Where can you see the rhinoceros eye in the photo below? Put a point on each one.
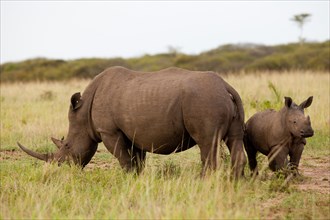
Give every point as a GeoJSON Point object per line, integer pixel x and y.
{"type": "Point", "coordinates": [294, 122]}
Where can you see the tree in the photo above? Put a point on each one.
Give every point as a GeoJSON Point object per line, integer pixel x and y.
{"type": "Point", "coordinates": [301, 20]}
{"type": "Point", "coordinates": [173, 50]}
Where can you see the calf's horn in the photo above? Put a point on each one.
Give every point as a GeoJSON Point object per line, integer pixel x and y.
{"type": "Point", "coordinates": [39, 156]}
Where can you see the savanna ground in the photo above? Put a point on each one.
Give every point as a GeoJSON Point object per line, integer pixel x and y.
{"type": "Point", "coordinates": [169, 187]}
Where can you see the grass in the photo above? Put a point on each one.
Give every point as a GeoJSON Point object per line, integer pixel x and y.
{"type": "Point", "coordinates": [169, 187]}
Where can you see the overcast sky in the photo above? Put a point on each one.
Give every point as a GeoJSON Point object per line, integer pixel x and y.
{"type": "Point", "coordinates": [84, 29]}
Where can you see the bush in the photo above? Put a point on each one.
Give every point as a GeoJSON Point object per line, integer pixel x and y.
{"type": "Point", "coordinates": [225, 59]}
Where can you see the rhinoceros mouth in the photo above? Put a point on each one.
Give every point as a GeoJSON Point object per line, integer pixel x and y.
{"type": "Point", "coordinates": [307, 134]}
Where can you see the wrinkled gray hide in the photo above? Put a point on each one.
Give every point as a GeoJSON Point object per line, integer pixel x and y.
{"type": "Point", "coordinates": [278, 134]}
{"type": "Point", "coordinates": [161, 112]}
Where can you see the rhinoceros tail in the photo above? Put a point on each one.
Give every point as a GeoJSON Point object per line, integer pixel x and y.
{"type": "Point", "coordinates": [237, 100]}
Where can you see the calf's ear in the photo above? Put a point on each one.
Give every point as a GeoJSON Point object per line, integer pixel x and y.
{"type": "Point", "coordinates": [288, 102]}
{"type": "Point", "coordinates": [306, 103]}
{"type": "Point", "coordinates": [76, 101]}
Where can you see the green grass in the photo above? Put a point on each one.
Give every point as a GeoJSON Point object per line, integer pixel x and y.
{"type": "Point", "coordinates": [37, 190]}
{"type": "Point", "coordinates": [170, 186]}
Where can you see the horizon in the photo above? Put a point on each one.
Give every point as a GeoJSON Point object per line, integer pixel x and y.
{"type": "Point", "coordinates": [243, 45]}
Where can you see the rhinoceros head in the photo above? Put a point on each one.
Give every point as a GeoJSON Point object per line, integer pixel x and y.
{"type": "Point", "coordinates": [298, 124]}
{"type": "Point", "coordinates": [78, 147]}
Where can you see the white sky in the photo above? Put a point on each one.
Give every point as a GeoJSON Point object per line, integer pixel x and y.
{"type": "Point", "coordinates": [83, 29]}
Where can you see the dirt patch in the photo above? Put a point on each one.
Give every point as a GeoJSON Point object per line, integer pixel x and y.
{"type": "Point", "coordinates": [316, 171]}
{"type": "Point", "coordinates": [102, 160]}
{"type": "Point", "coordinates": [315, 177]}
{"type": "Point", "coordinates": [11, 155]}
{"type": "Point", "coordinates": [98, 164]}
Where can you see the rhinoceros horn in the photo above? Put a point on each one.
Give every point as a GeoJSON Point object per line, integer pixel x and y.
{"type": "Point", "coordinates": [44, 157]}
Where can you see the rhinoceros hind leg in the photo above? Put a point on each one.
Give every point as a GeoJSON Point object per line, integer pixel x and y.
{"type": "Point", "coordinates": [238, 159]}
{"type": "Point", "coordinates": [206, 136]}
{"type": "Point", "coordinates": [208, 157]}
{"type": "Point", "coordinates": [234, 142]}
{"type": "Point", "coordinates": [278, 157]}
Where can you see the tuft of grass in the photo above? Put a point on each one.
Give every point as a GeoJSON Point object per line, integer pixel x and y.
{"type": "Point", "coordinates": [276, 92]}
{"type": "Point", "coordinates": [47, 96]}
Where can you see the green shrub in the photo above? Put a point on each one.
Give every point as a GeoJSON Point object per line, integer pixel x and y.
{"type": "Point", "coordinates": [224, 59]}
{"type": "Point", "coordinates": [275, 103]}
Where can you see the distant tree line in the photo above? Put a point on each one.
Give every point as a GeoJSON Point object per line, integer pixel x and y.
{"type": "Point", "coordinates": [224, 59]}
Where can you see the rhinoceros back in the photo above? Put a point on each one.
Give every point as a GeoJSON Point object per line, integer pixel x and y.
{"type": "Point", "coordinates": [258, 129]}
{"type": "Point", "coordinates": [148, 107]}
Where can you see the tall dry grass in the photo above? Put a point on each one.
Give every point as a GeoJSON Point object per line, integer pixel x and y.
{"type": "Point", "coordinates": [34, 111]}
{"type": "Point", "coordinates": [169, 187]}
{"type": "Point", "coordinates": [298, 85]}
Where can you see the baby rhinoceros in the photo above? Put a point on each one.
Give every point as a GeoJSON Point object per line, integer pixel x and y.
{"type": "Point", "coordinates": [278, 134]}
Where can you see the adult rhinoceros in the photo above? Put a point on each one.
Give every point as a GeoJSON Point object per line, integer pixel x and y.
{"type": "Point", "coordinates": [160, 112]}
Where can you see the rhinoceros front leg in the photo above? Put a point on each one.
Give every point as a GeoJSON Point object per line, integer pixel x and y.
{"type": "Point", "coordinates": [138, 158]}
{"type": "Point", "coordinates": [117, 144]}
{"type": "Point", "coordinates": [278, 157]}
{"type": "Point", "coordinates": [295, 155]}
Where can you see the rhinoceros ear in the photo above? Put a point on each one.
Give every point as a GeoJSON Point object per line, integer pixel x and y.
{"type": "Point", "coordinates": [288, 102]}
{"type": "Point", "coordinates": [76, 101]}
{"type": "Point", "coordinates": [58, 143]}
{"type": "Point", "coordinates": [306, 103]}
